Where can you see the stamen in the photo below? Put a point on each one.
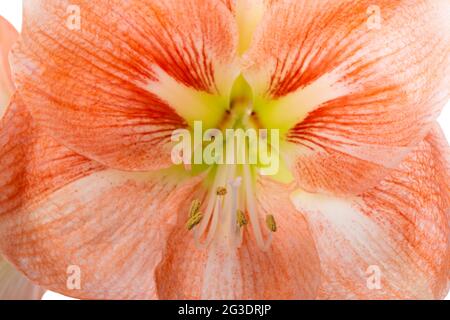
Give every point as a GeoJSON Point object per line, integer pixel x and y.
{"type": "Point", "coordinates": [234, 232]}
{"type": "Point", "coordinates": [194, 220]}
{"type": "Point", "coordinates": [221, 191]}
{"type": "Point", "coordinates": [230, 207]}
{"type": "Point", "coordinates": [195, 207]}
{"type": "Point", "coordinates": [263, 244]}
{"type": "Point", "coordinates": [241, 219]}
{"type": "Point", "coordinates": [213, 212]}
{"type": "Point", "coordinates": [271, 223]}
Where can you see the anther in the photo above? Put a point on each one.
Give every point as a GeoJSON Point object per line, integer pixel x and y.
{"type": "Point", "coordinates": [221, 191]}
{"type": "Point", "coordinates": [271, 223]}
{"type": "Point", "coordinates": [241, 219]}
{"type": "Point", "coordinates": [194, 220]}
{"type": "Point", "coordinates": [195, 216]}
{"type": "Point", "coordinates": [195, 207]}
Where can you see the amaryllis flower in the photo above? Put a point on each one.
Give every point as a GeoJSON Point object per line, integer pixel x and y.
{"type": "Point", "coordinates": [359, 207]}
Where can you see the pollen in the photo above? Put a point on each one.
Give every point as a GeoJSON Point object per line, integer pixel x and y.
{"type": "Point", "coordinates": [241, 219]}
{"type": "Point", "coordinates": [271, 223]}
{"type": "Point", "coordinates": [195, 207]}
{"type": "Point", "coordinates": [195, 216]}
{"type": "Point", "coordinates": [221, 191]}
{"type": "Point", "coordinates": [194, 220]}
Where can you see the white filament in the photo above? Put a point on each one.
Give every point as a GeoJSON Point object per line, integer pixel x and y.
{"type": "Point", "coordinates": [220, 217]}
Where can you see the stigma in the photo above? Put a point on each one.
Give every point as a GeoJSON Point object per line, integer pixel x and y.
{"type": "Point", "coordinates": [229, 211]}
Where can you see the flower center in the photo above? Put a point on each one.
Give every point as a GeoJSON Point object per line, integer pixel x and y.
{"type": "Point", "coordinates": [230, 206]}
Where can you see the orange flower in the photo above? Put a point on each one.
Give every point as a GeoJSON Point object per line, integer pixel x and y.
{"type": "Point", "coordinates": [359, 207]}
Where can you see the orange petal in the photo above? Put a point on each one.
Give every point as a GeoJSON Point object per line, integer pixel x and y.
{"type": "Point", "coordinates": [113, 80]}
{"type": "Point", "coordinates": [62, 215]}
{"type": "Point", "coordinates": [289, 270]}
{"type": "Point", "coordinates": [14, 286]}
{"type": "Point", "coordinates": [8, 35]}
{"type": "Point", "coordinates": [230, 4]}
{"type": "Point", "coordinates": [393, 241]}
{"type": "Point", "coordinates": [352, 96]}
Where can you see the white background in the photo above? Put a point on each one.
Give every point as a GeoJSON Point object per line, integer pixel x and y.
{"type": "Point", "coordinates": [12, 11]}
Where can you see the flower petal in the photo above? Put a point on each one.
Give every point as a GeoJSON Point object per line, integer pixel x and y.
{"type": "Point", "coordinates": [351, 95]}
{"type": "Point", "coordinates": [230, 4]}
{"type": "Point", "coordinates": [64, 216]}
{"type": "Point", "coordinates": [392, 242]}
{"type": "Point", "coordinates": [8, 35]}
{"type": "Point", "coordinates": [289, 270]}
{"type": "Point", "coordinates": [14, 286]}
{"type": "Point", "coordinates": [113, 80]}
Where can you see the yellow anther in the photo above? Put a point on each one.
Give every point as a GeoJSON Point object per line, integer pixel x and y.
{"type": "Point", "coordinates": [195, 207]}
{"type": "Point", "coordinates": [221, 191]}
{"type": "Point", "coordinates": [271, 223]}
{"type": "Point", "coordinates": [241, 219]}
{"type": "Point", "coordinates": [194, 220]}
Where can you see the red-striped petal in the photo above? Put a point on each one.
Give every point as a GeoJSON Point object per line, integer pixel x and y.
{"type": "Point", "coordinates": [63, 216]}
{"type": "Point", "coordinates": [113, 79]}
{"type": "Point", "coordinates": [392, 242]}
{"type": "Point", "coordinates": [351, 96]}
